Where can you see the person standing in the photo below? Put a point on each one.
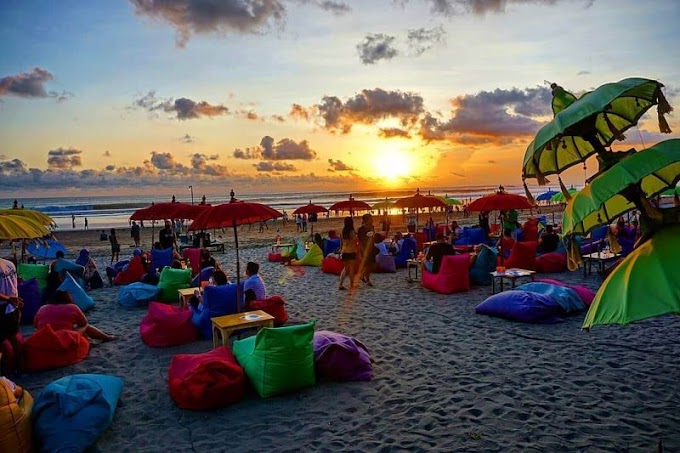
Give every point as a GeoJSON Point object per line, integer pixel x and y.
{"type": "Point", "coordinates": [367, 249]}
{"type": "Point", "coordinates": [348, 253]}
{"type": "Point", "coordinates": [134, 233]}
{"type": "Point", "coordinates": [86, 227]}
{"type": "Point", "coordinates": [115, 246]}
{"type": "Point", "coordinates": [73, 220]}
{"type": "Point", "coordinates": [166, 236]}
{"type": "Point", "coordinates": [10, 308]}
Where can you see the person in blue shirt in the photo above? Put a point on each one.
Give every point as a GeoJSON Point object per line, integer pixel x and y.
{"type": "Point", "coordinates": [254, 288]}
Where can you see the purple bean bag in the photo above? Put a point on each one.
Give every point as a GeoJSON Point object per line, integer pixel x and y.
{"type": "Point", "coordinates": [341, 358]}
{"type": "Point", "coordinates": [29, 291]}
{"type": "Point", "coordinates": [586, 294]}
{"type": "Point", "coordinates": [522, 306]}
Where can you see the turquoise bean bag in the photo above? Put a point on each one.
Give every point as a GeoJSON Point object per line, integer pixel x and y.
{"type": "Point", "coordinates": [480, 272]}
{"type": "Point", "coordinates": [136, 294]}
{"type": "Point", "coordinates": [72, 412]}
{"type": "Point", "coordinates": [80, 297]}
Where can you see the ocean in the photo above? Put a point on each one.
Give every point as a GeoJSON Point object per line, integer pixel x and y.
{"type": "Point", "coordinates": [114, 211]}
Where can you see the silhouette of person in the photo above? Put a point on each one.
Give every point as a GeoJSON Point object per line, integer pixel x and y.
{"type": "Point", "coordinates": [231, 194]}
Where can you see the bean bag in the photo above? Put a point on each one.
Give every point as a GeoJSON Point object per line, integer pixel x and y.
{"type": "Point", "coordinates": [161, 258]}
{"type": "Point", "coordinates": [530, 230]}
{"type": "Point", "coordinates": [8, 364]}
{"type": "Point", "coordinates": [193, 256]}
{"type": "Point", "coordinates": [274, 305]}
{"type": "Point", "coordinates": [62, 266]}
{"type": "Point", "coordinates": [408, 249]}
{"type": "Point", "coordinates": [567, 298]}
{"type": "Point", "coordinates": [47, 349]}
{"type": "Point", "coordinates": [167, 325]}
{"type": "Point", "coordinates": [136, 295]}
{"type": "Point", "coordinates": [133, 272]}
{"type": "Point", "coordinates": [586, 294]}
{"type": "Point", "coordinates": [522, 256]}
{"type": "Point", "coordinates": [420, 239]}
{"type": "Point", "coordinates": [589, 246]}
{"type": "Point", "coordinates": [551, 263]}
{"type": "Point", "coordinates": [522, 306]}
{"type": "Point", "coordinates": [471, 236]}
{"type": "Point", "coordinates": [217, 301]}
{"type": "Point", "coordinates": [274, 257]}
{"type": "Point", "coordinates": [202, 276]}
{"type": "Point", "coordinates": [16, 430]}
{"type": "Point", "coordinates": [331, 246]}
{"type": "Point", "coordinates": [313, 257]}
{"type": "Point", "coordinates": [278, 360]}
{"type": "Point", "coordinates": [39, 271]}
{"type": "Point", "coordinates": [341, 358]}
{"type": "Point", "coordinates": [170, 281]}
{"type": "Point", "coordinates": [206, 381]}
{"type": "Point", "coordinates": [30, 292]}
{"type": "Point", "coordinates": [72, 412]}
{"type": "Point", "coordinates": [78, 294]}
{"type": "Point", "coordinates": [453, 275]}
{"type": "Point", "coordinates": [485, 263]}
{"type": "Point", "coordinates": [332, 265]}
{"type": "Point", "coordinates": [385, 263]}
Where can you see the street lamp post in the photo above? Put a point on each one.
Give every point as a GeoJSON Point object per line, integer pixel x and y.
{"type": "Point", "coordinates": [192, 194]}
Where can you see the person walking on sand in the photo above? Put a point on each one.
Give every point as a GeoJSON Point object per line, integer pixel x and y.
{"type": "Point", "coordinates": [115, 246]}
{"type": "Point", "coordinates": [73, 220]}
{"type": "Point", "coordinates": [348, 253]}
{"type": "Point", "coordinates": [86, 227]}
{"type": "Point", "coordinates": [367, 249]}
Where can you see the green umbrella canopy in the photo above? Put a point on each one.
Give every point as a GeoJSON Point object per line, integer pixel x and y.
{"type": "Point", "coordinates": [672, 191]}
{"type": "Point", "coordinates": [383, 205]}
{"type": "Point", "coordinates": [644, 285]}
{"type": "Point", "coordinates": [600, 202]}
{"type": "Point", "coordinates": [450, 201]}
{"type": "Point", "coordinates": [559, 196]}
{"type": "Point", "coordinates": [605, 113]}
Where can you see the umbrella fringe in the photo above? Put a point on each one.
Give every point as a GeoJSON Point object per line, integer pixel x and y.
{"type": "Point", "coordinates": [565, 192]}
{"type": "Point", "coordinates": [574, 259]}
{"type": "Point", "coordinates": [530, 197]}
{"type": "Point", "coordinates": [540, 177]}
{"type": "Point", "coordinates": [662, 109]}
{"type": "Point", "coordinates": [614, 245]}
{"type": "Point", "coordinates": [615, 132]}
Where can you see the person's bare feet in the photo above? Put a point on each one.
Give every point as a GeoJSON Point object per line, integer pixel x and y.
{"type": "Point", "coordinates": [108, 338]}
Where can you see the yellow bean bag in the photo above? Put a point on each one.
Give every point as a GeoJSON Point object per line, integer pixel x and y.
{"type": "Point", "coordinates": [313, 257]}
{"type": "Point", "coordinates": [16, 431]}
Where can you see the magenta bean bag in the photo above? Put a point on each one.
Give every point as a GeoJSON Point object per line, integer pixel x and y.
{"type": "Point", "coordinates": [274, 257]}
{"type": "Point", "coordinates": [453, 275]}
{"type": "Point", "coordinates": [522, 256]}
{"type": "Point", "coordinates": [206, 381]}
{"type": "Point", "coordinates": [166, 325]}
{"type": "Point", "coordinates": [341, 358]}
{"type": "Point", "coordinates": [551, 263]}
{"type": "Point", "coordinates": [586, 294]}
{"type": "Point", "coordinates": [331, 265]}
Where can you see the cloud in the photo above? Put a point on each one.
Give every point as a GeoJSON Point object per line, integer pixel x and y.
{"type": "Point", "coordinates": [12, 167]}
{"type": "Point", "coordinates": [369, 107]}
{"type": "Point", "coordinates": [186, 138]}
{"type": "Point", "coordinates": [274, 166]}
{"type": "Point", "coordinates": [392, 132]}
{"type": "Point", "coordinates": [248, 153]}
{"type": "Point", "coordinates": [491, 161]}
{"type": "Point", "coordinates": [286, 149]}
{"type": "Point", "coordinates": [110, 167]}
{"type": "Point", "coordinates": [580, 73]}
{"type": "Point", "coordinates": [182, 108]}
{"type": "Point", "coordinates": [201, 163]}
{"type": "Point", "coordinates": [334, 7]}
{"type": "Point", "coordinates": [460, 175]}
{"type": "Point", "coordinates": [248, 115]}
{"type": "Point", "coordinates": [278, 118]}
{"type": "Point", "coordinates": [375, 47]}
{"type": "Point", "coordinates": [481, 7]}
{"type": "Point", "coordinates": [338, 165]}
{"type": "Point", "coordinates": [31, 85]}
{"type": "Point", "coordinates": [422, 39]}
{"type": "Point", "coordinates": [64, 158]}
{"type": "Point", "coordinates": [299, 112]}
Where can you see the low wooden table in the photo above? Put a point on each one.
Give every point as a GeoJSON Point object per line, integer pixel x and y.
{"type": "Point", "coordinates": [512, 274]}
{"type": "Point", "coordinates": [275, 247]}
{"type": "Point", "coordinates": [185, 296]}
{"type": "Point", "coordinates": [600, 257]}
{"type": "Point", "coordinates": [413, 263]}
{"type": "Point", "coordinates": [226, 325]}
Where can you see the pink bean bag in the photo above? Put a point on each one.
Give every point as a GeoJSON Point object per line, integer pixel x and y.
{"type": "Point", "coordinates": [166, 325]}
{"type": "Point", "coordinates": [522, 256]}
{"type": "Point", "coordinates": [551, 263]}
{"type": "Point", "coordinates": [331, 265]}
{"type": "Point", "coordinates": [275, 306]}
{"type": "Point", "coordinates": [586, 294]}
{"type": "Point", "coordinates": [206, 381]}
{"type": "Point", "coordinates": [194, 256]}
{"type": "Point", "coordinates": [47, 349]}
{"type": "Point", "coordinates": [274, 257]}
{"type": "Point", "coordinates": [453, 275]}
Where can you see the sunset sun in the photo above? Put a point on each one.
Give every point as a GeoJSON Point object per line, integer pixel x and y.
{"type": "Point", "coordinates": [393, 164]}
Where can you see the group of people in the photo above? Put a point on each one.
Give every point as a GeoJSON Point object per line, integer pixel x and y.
{"type": "Point", "coordinates": [357, 251]}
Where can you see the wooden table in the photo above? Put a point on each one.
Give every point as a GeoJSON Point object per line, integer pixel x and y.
{"type": "Point", "coordinates": [511, 274]}
{"type": "Point", "coordinates": [185, 295]}
{"type": "Point", "coordinates": [413, 263]}
{"type": "Point", "coordinates": [275, 247]}
{"type": "Point", "coordinates": [226, 325]}
{"type": "Point", "coordinates": [600, 257]}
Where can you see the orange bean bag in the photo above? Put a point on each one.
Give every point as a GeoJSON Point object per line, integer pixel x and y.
{"type": "Point", "coordinates": [16, 430]}
{"type": "Point", "coordinates": [453, 275]}
{"type": "Point", "coordinates": [47, 349]}
{"type": "Point", "coordinates": [206, 381]}
{"type": "Point", "coordinates": [167, 325]}
{"type": "Point", "coordinates": [522, 256]}
{"type": "Point", "coordinates": [331, 265]}
{"type": "Point", "coordinates": [275, 306]}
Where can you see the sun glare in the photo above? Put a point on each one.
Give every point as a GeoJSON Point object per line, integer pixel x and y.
{"type": "Point", "coordinates": [392, 164]}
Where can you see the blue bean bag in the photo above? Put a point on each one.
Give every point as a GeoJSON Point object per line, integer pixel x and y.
{"type": "Point", "coordinates": [330, 246]}
{"type": "Point", "coordinates": [161, 258]}
{"type": "Point", "coordinates": [567, 298]}
{"type": "Point", "coordinates": [522, 306]}
{"type": "Point", "coordinates": [30, 293]}
{"type": "Point", "coordinates": [80, 297]}
{"type": "Point", "coordinates": [136, 294]}
{"type": "Point", "coordinates": [203, 276]}
{"type": "Point", "coordinates": [408, 248]}
{"type": "Point", "coordinates": [217, 301]}
{"type": "Point", "coordinates": [72, 412]}
{"type": "Point", "coordinates": [485, 263]}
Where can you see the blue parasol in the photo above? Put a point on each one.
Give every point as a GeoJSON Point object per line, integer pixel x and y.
{"type": "Point", "coordinates": [45, 249]}
{"type": "Point", "coordinates": [546, 196]}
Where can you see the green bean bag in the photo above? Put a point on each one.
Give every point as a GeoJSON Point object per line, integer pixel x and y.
{"type": "Point", "coordinates": [278, 360]}
{"type": "Point", "coordinates": [39, 271]}
{"type": "Point", "coordinates": [170, 281]}
{"type": "Point", "coordinates": [313, 257]}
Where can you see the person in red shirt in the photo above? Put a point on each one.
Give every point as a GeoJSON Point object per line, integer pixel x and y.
{"type": "Point", "coordinates": [62, 314]}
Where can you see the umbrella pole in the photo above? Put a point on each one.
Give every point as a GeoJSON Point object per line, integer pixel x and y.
{"type": "Point", "coordinates": [238, 270]}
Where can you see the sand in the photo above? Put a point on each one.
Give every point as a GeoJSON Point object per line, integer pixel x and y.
{"type": "Point", "coordinates": [446, 379]}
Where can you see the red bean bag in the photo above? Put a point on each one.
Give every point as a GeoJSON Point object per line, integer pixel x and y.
{"type": "Point", "coordinates": [274, 257]}
{"type": "Point", "coordinates": [47, 349]}
{"type": "Point", "coordinates": [166, 325]}
{"type": "Point", "coordinates": [8, 363]}
{"type": "Point", "coordinates": [551, 262]}
{"type": "Point", "coordinates": [586, 294]}
{"type": "Point", "coordinates": [331, 265]}
{"type": "Point", "coordinates": [530, 230]}
{"type": "Point", "coordinates": [275, 306]}
{"type": "Point", "coordinates": [522, 256]}
{"type": "Point", "coordinates": [420, 238]}
{"type": "Point", "coordinates": [194, 256]}
{"type": "Point", "coordinates": [206, 381]}
{"type": "Point", "coordinates": [453, 275]}
{"type": "Point", "coordinates": [133, 273]}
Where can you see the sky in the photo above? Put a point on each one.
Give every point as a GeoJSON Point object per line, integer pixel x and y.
{"type": "Point", "coordinates": [149, 96]}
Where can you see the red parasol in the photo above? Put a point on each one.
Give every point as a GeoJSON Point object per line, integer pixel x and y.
{"type": "Point", "coordinates": [233, 214]}
{"type": "Point", "coordinates": [161, 211]}
{"type": "Point", "coordinates": [350, 205]}
{"type": "Point", "coordinates": [500, 201]}
{"type": "Point", "coordinates": [310, 209]}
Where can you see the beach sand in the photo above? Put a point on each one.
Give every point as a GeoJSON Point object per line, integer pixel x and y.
{"type": "Point", "coordinates": [446, 379]}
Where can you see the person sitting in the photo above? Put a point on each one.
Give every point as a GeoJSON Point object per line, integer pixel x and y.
{"type": "Point", "coordinates": [91, 274]}
{"type": "Point", "coordinates": [507, 242]}
{"type": "Point", "coordinates": [218, 278]}
{"type": "Point", "coordinates": [254, 288]}
{"type": "Point", "coordinates": [380, 244]}
{"type": "Point", "coordinates": [62, 314]}
{"type": "Point", "coordinates": [176, 264]}
{"type": "Point", "coordinates": [456, 231]}
{"type": "Point", "coordinates": [433, 259]}
{"type": "Point", "coordinates": [318, 240]}
{"type": "Point", "coordinates": [549, 240]}
{"type": "Point", "coordinates": [207, 260]}
{"type": "Point", "coordinates": [397, 242]}
{"type": "Point", "coordinates": [61, 265]}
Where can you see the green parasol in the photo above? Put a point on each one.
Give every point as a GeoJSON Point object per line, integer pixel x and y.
{"type": "Point", "coordinates": [591, 123]}
{"type": "Point", "coordinates": [672, 191]}
{"type": "Point", "coordinates": [600, 202]}
{"type": "Point", "coordinates": [644, 285]}
{"type": "Point", "coordinates": [450, 201]}
{"type": "Point", "coordinates": [383, 205]}
{"type": "Point", "coordinates": [559, 196]}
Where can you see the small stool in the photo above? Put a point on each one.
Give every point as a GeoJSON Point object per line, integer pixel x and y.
{"type": "Point", "coordinates": [226, 325]}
